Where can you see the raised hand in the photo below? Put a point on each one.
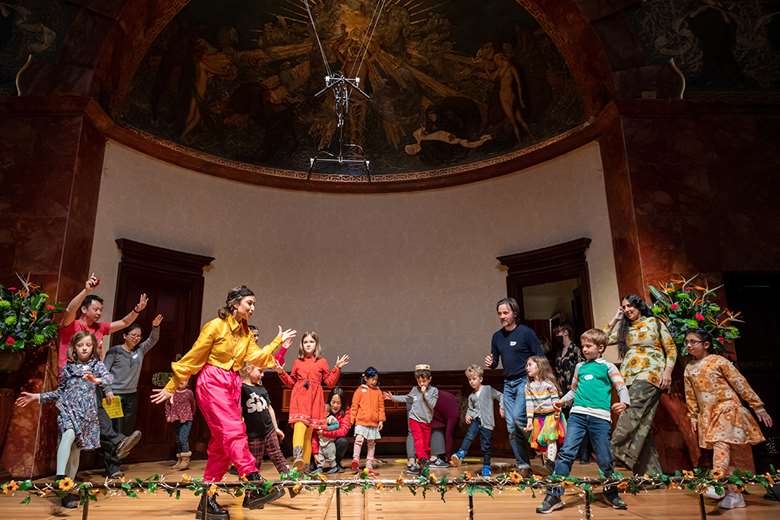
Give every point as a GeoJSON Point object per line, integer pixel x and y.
{"type": "Point", "coordinates": [342, 361]}
{"type": "Point", "coordinates": [157, 320]}
{"type": "Point", "coordinates": [288, 334]}
{"type": "Point", "coordinates": [142, 301]}
{"type": "Point", "coordinates": [26, 398]}
{"type": "Point", "coordinates": [92, 282]}
{"type": "Point", "coordinates": [160, 395]}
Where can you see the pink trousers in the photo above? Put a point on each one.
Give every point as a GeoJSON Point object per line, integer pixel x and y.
{"type": "Point", "coordinates": [219, 398]}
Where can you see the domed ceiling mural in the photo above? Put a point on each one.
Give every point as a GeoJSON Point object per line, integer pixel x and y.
{"type": "Point", "coordinates": [450, 82]}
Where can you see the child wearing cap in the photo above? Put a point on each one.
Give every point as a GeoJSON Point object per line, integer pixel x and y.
{"type": "Point", "coordinates": [421, 400]}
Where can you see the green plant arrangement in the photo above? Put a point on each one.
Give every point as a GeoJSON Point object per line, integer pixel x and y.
{"type": "Point", "coordinates": [685, 307]}
{"type": "Point", "coordinates": [26, 317]}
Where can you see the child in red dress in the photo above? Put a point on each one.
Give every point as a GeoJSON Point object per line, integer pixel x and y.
{"type": "Point", "coordinates": [307, 403]}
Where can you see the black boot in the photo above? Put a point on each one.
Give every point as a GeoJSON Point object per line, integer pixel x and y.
{"type": "Point", "coordinates": [256, 499]}
{"type": "Point", "coordinates": [71, 501]}
{"type": "Point", "coordinates": [215, 511]}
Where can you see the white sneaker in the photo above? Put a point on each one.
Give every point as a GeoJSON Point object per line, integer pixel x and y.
{"type": "Point", "coordinates": [732, 501]}
{"type": "Point", "coordinates": [711, 493]}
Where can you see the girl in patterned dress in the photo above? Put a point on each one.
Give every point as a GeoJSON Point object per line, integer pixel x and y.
{"type": "Point", "coordinates": [77, 403]}
{"type": "Point", "coordinates": [307, 402]}
{"type": "Point", "coordinates": [546, 425]}
{"type": "Point", "coordinates": [714, 389]}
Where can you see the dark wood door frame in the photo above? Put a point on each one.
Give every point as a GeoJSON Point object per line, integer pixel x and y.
{"type": "Point", "coordinates": [174, 264]}
{"type": "Point", "coordinates": [550, 264]}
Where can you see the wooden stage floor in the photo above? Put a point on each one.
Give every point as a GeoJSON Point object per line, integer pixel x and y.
{"type": "Point", "coordinates": [386, 504]}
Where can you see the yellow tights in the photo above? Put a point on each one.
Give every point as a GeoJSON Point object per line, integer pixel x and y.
{"type": "Point", "coordinates": [301, 442]}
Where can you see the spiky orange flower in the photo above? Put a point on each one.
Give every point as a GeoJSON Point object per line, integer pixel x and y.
{"type": "Point", "coordinates": [212, 490]}
{"type": "Point", "coordinates": [66, 484]}
{"type": "Point", "coordinates": [515, 477]}
{"type": "Point", "coordinates": [10, 487]}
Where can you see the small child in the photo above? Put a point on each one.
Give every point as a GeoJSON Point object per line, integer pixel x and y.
{"type": "Point", "coordinates": [180, 411]}
{"type": "Point", "coordinates": [714, 391]}
{"type": "Point", "coordinates": [591, 391]}
{"type": "Point", "coordinates": [545, 424]}
{"type": "Point", "coordinates": [479, 417]}
{"type": "Point", "coordinates": [368, 416]}
{"type": "Point", "coordinates": [422, 399]}
{"type": "Point", "coordinates": [262, 429]}
{"type": "Point", "coordinates": [326, 451]}
{"type": "Point", "coordinates": [77, 404]}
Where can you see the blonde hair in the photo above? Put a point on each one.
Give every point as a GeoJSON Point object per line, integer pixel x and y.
{"type": "Point", "coordinates": [474, 370]}
{"type": "Point", "coordinates": [545, 370]}
{"type": "Point", "coordinates": [596, 336]}
{"type": "Point", "coordinates": [317, 349]}
{"type": "Point", "coordinates": [72, 357]}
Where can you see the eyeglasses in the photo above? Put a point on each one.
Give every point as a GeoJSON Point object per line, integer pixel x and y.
{"type": "Point", "coordinates": [692, 341]}
{"type": "Point", "coordinates": [133, 335]}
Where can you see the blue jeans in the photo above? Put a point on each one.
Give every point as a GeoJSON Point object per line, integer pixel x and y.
{"type": "Point", "coordinates": [485, 436]}
{"type": "Point", "coordinates": [515, 415]}
{"type": "Point", "coordinates": [183, 436]}
{"type": "Point", "coordinates": [579, 428]}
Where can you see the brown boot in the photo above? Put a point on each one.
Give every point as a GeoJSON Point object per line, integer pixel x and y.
{"type": "Point", "coordinates": [185, 460]}
{"type": "Point", "coordinates": [176, 464]}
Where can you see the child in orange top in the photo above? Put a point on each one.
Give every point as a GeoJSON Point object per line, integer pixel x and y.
{"type": "Point", "coordinates": [368, 414]}
{"type": "Point", "coordinates": [307, 404]}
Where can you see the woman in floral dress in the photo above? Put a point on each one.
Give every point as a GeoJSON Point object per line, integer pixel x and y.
{"type": "Point", "coordinates": [714, 389]}
{"type": "Point", "coordinates": [649, 353]}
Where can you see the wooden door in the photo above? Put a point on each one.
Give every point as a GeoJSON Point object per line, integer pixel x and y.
{"type": "Point", "coordinates": [173, 281]}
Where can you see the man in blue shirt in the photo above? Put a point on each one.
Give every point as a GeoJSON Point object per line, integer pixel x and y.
{"type": "Point", "coordinates": [512, 345]}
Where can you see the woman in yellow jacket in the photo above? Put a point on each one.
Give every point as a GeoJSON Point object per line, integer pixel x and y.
{"type": "Point", "coordinates": [223, 346]}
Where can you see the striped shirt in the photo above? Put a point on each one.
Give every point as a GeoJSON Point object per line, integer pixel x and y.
{"type": "Point", "coordinates": [591, 388]}
{"type": "Point", "coordinates": [539, 397]}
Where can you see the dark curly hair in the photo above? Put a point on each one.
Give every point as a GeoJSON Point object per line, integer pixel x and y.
{"type": "Point", "coordinates": [639, 304]}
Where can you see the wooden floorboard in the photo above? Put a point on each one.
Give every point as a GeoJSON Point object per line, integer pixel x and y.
{"type": "Point", "coordinates": [386, 504]}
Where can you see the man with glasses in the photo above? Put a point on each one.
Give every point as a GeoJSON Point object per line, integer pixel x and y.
{"type": "Point", "coordinates": [124, 362]}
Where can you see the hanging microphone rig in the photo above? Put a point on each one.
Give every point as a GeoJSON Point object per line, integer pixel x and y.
{"type": "Point", "coordinates": [342, 87]}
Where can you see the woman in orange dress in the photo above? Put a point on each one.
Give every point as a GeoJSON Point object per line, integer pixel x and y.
{"type": "Point", "coordinates": [714, 389]}
{"type": "Point", "coordinates": [307, 402]}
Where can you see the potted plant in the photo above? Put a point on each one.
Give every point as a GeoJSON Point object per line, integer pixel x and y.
{"type": "Point", "coordinates": [26, 322]}
{"type": "Point", "coordinates": [686, 307]}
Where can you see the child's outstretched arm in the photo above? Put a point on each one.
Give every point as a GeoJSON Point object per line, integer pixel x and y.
{"type": "Point", "coordinates": [622, 390]}
{"type": "Point", "coordinates": [745, 391]}
{"type": "Point", "coordinates": [287, 379]}
{"type": "Point", "coordinates": [569, 396]}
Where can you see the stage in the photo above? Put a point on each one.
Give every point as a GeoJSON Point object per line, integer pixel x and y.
{"type": "Point", "coordinates": [387, 504]}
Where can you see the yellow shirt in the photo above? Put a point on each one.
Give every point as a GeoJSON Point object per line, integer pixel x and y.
{"type": "Point", "coordinates": [651, 350]}
{"type": "Point", "coordinates": [224, 343]}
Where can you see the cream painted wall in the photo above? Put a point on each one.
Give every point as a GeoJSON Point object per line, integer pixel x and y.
{"type": "Point", "coordinates": [391, 279]}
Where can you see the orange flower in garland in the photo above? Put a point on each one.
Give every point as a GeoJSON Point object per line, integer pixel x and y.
{"type": "Point", "coordinates": [9, 488]}
{"type": "Point", "coordinates": [379, 486]}
{"type": "Point", "coordinates": [622, 486]}
{"type": "Point", "coordinates": [718, 474]}
{"type": "Point", "coordinates": [186, 478]}
{"type": "Point", "coordinates": [515, 477]}
{"type": "Point", "coordinates": [212, 490]}
{"type": "Point", "coordinates": [66, 484]}
{"type": "Point", "coordinates": [297, 488]}
{"type": "Point", "coordinates": [399, 481]}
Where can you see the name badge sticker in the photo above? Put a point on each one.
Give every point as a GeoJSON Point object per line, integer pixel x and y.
{"type": "Point", "coordinates": [512, 343]}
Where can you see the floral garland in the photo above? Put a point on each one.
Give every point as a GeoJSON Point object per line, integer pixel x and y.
{"type": "Point", "coordinates": [685, 307]}
{"type": "Point", "coordinates": [697, 480]}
